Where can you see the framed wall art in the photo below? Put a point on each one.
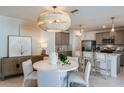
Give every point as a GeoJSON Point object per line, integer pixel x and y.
{"type": "Point", "coordinates": [19, 46]}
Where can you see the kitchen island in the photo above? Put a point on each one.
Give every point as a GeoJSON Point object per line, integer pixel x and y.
{"type": "Point", "coordinates": [113, 60]}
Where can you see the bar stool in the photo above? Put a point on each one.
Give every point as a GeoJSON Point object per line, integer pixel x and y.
{"type": "Point", "coordinates": [100, 61]}
{"type": "Point", "coordinates": [88, 57]}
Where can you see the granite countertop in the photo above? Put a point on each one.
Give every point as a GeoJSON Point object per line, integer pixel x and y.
{"type": "Point", "coordinates": [119, 52]}
{"type": "Point", "coordinates": [114, 53]}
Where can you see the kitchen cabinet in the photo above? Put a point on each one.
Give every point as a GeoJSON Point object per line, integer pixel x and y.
{"type": "Point", "coordinates": [62, 38]}
{"type": "Point", "coordinates": [65, 38]}
{"type": "Point", "coordinates": [98, 38]}
{"type": "Point", "coordinates": [67, 53]}
{"type": "Point", "coordinates": [101, 36]}
{"type": "Point", "coordinates": [122, 59]}
{"type": "Point", "coordinates": [106, 35]}
{"type": "Point", "coordinates": [58, 39]}
{"type": "Point", "coordinates": [119, 37]}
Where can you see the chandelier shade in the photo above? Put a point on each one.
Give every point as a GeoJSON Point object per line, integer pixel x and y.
{"type": "Point", "coordinates": [54, 21]}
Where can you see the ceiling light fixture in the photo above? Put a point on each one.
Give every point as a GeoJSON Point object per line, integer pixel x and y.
{"type": "Point", "coordinates": [54, 20]}
{"type": "Point", "coordinates": [79, 34]}
{"type": "Point", "coordinates": [113, 26]}
{"type": "Point", "coordinates": [104, 26]}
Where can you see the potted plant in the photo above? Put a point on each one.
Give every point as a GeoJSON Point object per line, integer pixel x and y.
{"type": "Point", "coordinates": [63, 59]}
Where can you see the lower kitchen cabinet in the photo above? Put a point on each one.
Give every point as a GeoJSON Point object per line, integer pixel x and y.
{"type": "Point", "coordinates": [67, 53]}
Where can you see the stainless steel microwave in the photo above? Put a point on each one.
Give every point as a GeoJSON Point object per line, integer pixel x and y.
{"type": "Point", "coordinates": [108, 41]}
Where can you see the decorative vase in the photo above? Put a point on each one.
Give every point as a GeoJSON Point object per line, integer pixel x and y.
{"type": "Point", "coordinates": [53, 58]}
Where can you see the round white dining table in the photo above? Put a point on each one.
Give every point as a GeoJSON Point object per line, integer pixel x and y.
{"type": "Point", "coordinates": [46, 65]}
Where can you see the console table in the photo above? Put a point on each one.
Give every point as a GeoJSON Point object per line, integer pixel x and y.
{"type": "Point", "coordinates": [12, 66]}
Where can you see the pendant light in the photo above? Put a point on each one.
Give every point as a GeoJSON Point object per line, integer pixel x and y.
{"type": "Point", "coordinates": [113, 26]}
{"type": "Point", "coordinates": [79, 34]}
{"type": "Point", "coordinates": [112, 32]}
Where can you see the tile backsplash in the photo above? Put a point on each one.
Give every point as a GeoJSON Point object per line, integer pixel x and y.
{"type": "Point", "coordinates": [63, 47]}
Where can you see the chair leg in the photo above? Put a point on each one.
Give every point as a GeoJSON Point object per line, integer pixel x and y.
{"type": "Point", "coordinates": [87, 85]}
{"type": "Point", "coordinates": [76, 70]}
{"type": "Point", "coordinates": [24, 83]}
{"type": "Point", "coordinates": [68, 84]}
{"type": "Point", "coordinates": [107, 72]}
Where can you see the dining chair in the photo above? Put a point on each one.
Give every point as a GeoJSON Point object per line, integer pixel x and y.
{"type": "Point", "coordinates": [76, 77]}
{"type": "Point", "coordinates": [28, 72]}
{"type": "Point", "coordinates": [49, 78]}
{"type": "Point", "coordinates": [82, 64]}
{"type": "Point", "coordinates": [45, 58]}
{"type": "Point", "coordinates": [74, 59]}
{"type": "Point", "coordinates": [79, 55]}
{"type": "Point", "coordinates": [88, 57]}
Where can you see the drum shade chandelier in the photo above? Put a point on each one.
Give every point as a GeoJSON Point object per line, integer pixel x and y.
{"type": "Point", "coordinates": [54, 20]}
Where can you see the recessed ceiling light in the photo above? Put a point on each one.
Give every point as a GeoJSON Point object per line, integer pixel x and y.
{"type": "Point", "coordinates": [104, 26]}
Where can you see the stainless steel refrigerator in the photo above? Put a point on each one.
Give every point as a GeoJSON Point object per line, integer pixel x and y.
{"type": "Point", "coordinates": [88, 45]}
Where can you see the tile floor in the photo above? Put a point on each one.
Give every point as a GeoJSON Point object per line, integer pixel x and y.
{"type": "Point", "coordinates": [95, 81]}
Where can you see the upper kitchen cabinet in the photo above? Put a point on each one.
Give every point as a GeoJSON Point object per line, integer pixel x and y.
{"type": "Point", "coordinates": [62, 38]}
{"type": "Point", "coordinates": [99, 38]}
{"type": "Point", "coordinates": [105, 35]}
{"type": "Point", "coordinates": [65, 38]}
{"type": "Point", "coordinates": [102, 36]}
{"type": "Point", "coordinates": [119, 37]}
{"type": "Point", "coordinates": [58, 38]}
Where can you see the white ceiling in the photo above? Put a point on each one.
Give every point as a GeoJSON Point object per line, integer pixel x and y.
{"type": "Point", "coordinates": [91, 17]}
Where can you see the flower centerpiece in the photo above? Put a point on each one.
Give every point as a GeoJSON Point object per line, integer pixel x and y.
{"type": "Point", "coordinates": [63, 59]}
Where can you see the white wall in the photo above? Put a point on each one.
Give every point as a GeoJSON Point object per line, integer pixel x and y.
{"type": "Point", "coordinates": [48, 37]}
{"type": "Point", "coordinates": [89, 36]}
{"type": "Point", "coordinates": [33, 31]}
{"type": "Point", "coordinates": [13, 26]}
{"type": "Point", "coordinates": [76, 42]}
{"type": "Point", "coordinates": [8, 26]}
